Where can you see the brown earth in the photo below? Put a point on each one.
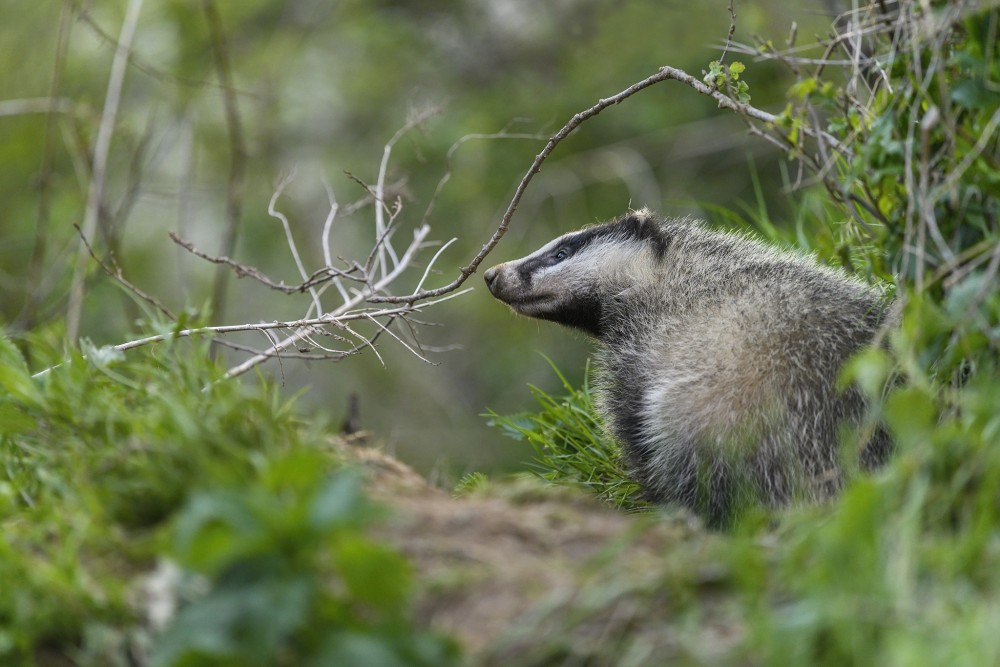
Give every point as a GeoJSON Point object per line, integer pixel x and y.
{"type": "Point", "coordinates": [524, 573]}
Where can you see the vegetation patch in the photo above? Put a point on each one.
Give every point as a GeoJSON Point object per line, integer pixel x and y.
{"type": "Point", "coordinates": [155, 513]}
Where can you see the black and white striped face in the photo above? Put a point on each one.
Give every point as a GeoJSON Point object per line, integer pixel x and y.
{"type": "Point", "coordinates": [571, 279]}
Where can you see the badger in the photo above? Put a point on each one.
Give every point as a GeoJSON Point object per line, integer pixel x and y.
{"type": "Point", "coordinates": [718, 357]}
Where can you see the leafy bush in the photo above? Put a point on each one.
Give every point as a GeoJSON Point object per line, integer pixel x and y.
{"type": "Point", "coordinates": [293, 579]}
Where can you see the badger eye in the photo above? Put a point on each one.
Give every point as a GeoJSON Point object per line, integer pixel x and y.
{"type": "Point", "coordinates": [561, 254]}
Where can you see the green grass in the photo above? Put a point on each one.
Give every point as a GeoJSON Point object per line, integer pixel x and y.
{"type": "Point", "coordinates": [570, 445]}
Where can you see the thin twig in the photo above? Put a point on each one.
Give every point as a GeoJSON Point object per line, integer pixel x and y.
{"type": "Point", "coordinates": [237, 149]}
{"type": "Point", "coordinates": [361, 296]}
{"type": "Point", "coordinates": [327, 227]}
{"type": "Point", "coordinates": [289, 238]}
{"type": "Point", "coordinates": [330, 217]}
{"type": "Point", "coordinates": [430, 264]}
{"type": "Point", "coordinates": [46, 105]}
{"type": "Point", "coordinates": [381, 228]}
{"type": "Point", "coordinates": [400, 341]}
{"type": "Point", "coordinates": [732, 31]}
{"type": "Point", "coordinates": [305, 325]}
{"type": "Point", "coordinates": [370, 343]}
{"type": "Point", "coordinates": [338, 355]}
{"type": "Point", "coordinates": [102, 147]}
{"type": "Point", "coordinates": [115, 271]}
{"type": "Point", "coordinates": [241, 270]}
{"type": "Point", "coordinates": [503, 134]}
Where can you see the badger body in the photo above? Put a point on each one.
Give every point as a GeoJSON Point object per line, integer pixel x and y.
{"type": "Point", "coordinates": [718, 357]}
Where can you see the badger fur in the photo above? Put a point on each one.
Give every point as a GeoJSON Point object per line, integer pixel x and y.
{"type": "Point", "coordinates": [718, 356]}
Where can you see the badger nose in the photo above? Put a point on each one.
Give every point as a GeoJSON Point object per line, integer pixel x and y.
{"type": "Point", "coordinates": [490, 275]}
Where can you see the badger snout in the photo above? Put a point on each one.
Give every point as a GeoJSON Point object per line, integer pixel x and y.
{"type": "Point", "coordinates": [504, 285]}
{"type": "Point", "coordinates": [490, 276]}
{"type": "Point", "coordinates": [501, 283]}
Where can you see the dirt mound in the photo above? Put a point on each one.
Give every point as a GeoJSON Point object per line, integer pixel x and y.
{"type": "Point", "coordinates": [523, 573]}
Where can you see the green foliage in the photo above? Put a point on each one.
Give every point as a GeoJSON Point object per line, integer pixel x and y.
{"type": "Point", "coordinates": [293, 579]}
{"type": "Point", "coordinates": [728, 78]}
{"type": "Point", "coordinates": [470, 483]}
{"type": "Point", "coordinates": [902, 569]}
{"type": "Point", "coordinates": [109, 463]}
{"type": "Point", "coordinates": [571, 446]}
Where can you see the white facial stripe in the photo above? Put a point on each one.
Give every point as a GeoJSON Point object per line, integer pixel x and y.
{"type": "Point", "coordinates": [546, 249]}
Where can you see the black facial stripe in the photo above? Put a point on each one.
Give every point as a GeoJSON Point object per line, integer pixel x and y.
{"type": "Point", "coordinates": [582, 312]}
{"type": "Point", "coordinates": [526, 269]}
{"type": "Point", "coordinates": [530, 266]}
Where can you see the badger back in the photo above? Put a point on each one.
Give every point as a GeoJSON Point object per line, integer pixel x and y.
{"type": "Point", "coordinates": [574, 279]}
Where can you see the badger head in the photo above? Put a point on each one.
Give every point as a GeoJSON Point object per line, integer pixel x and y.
{"type": "Point", "coordinates": [575, 278]}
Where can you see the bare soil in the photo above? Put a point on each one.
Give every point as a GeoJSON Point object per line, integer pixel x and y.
{"type": "Point", "coordinates": [523, 573]}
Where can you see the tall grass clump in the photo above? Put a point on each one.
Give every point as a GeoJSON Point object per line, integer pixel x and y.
{"type": "Point", "coordinates": [570, 445]}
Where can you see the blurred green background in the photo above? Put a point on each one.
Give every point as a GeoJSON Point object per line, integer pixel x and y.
{"type": "Point", "coordinates": [322, 85]}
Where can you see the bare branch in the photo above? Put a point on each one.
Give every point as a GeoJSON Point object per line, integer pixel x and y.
{"type": "Point", "coordinates": [327, 226]}
{"type": "Point", "coordinates": [290, 354]}
{"type": "Point", "coordinates": [283, 219]}
{"type": "Point", "coordinates": [665, 73]}
{"type": "Point", "coordinates": [382, 227]}
{"type": "Point", "coordinates": [430, 264]}
{"type": "Point", "coordinates": [362, 295]}
{"type": "Point", "coordinates": [33, 105]}
{"type": "Point", "coordinates": [401, 341]}
{"type": "Point", "coordinates": [502, 134]}
{"type": "Point", "coordinates": [240, 269]}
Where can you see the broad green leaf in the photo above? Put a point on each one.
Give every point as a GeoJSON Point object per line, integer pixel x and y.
{"type": "Point", "coordinates": [338, 502]}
